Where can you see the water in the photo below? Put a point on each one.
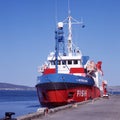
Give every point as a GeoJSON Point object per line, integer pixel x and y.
{"type": "Point", "coordinates": [20, 102]}
{"type": "Point", "coordinates": [114, 92]}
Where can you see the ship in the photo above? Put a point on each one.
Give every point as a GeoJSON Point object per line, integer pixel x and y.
{"type": "Point", "coordinates": [68, 76]}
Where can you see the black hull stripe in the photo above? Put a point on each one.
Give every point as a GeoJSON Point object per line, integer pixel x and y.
{"type": "Point", "coordinates": [58, 86]}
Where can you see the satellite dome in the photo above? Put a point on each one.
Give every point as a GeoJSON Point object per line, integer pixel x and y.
{"type": "Point", "coordinates": [60, 25]}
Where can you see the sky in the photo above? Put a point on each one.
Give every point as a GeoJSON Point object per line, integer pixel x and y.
{"type": "Point", "coordinates": [27, 36]}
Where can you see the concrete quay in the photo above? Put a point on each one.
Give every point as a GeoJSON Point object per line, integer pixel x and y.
{"type": "Point", "coordinates": [98, 109]}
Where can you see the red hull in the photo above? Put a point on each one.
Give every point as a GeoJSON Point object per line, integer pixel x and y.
{"type": "Point", "coordinates": [53, 98]}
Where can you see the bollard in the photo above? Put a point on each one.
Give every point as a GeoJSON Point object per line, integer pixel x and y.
{"type": "Point", "coordinates": [46, 111]}
{"type": "Point", "coordinates": [8, 116]}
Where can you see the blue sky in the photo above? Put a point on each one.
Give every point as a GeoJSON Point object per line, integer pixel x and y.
{"type": "Point", "coordinates": [27, 35]}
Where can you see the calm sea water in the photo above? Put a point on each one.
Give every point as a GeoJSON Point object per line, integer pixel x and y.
{"type": "Point", "coordinates": [20, 102]}
{"type": "Point", "coordinates": [114, 92]}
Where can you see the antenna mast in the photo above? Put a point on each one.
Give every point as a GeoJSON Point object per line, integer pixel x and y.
{"type": "Point", "coordinates": [69, 20]}
{"type": "Point", "coordinates": [69, 31]}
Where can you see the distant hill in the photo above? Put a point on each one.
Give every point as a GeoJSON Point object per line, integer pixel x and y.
{"type": "Point", "coordinates": [114, 88]}
{"type": "Point", "coordinates": [8, 86]}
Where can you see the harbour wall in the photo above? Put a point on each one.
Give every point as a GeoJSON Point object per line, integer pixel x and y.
{"type": "Point", "coordinates": [97, 109]}
{"type": "Point", "coordinates": [43, 111]}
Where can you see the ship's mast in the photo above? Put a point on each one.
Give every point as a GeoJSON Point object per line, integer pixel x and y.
{"type": "Point", "coordinates": [69, 21]}
{"type": "Point", "coordinates": [69, 35]}
{"type": "Point", "coordinates": [69, 31]}
{"type": "Point", "coordinates": [60, 44]}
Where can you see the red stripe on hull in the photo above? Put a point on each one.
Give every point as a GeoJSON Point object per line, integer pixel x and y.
{"type": "Point", "coordinates": [77, 70]}
{"type": "Point", "coordinates": [54, 98]}
{"type": "Point", "coordinates": [49, 71]}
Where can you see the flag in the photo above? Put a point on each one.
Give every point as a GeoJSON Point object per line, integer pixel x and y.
{"type": "Point", "coordinates": [98, 65]}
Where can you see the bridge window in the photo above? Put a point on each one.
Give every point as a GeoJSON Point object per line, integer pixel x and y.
{"type": "Point", "coordinates": [75, 61]}
{"type": "Point", "coordinates": [59, 62]}
{"type": "Point", "coordinates": [69, 62]}
{"type": "Point", "coordinates": [52, 62]}
{"type": "Point", "coordinates": [63, 62]}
